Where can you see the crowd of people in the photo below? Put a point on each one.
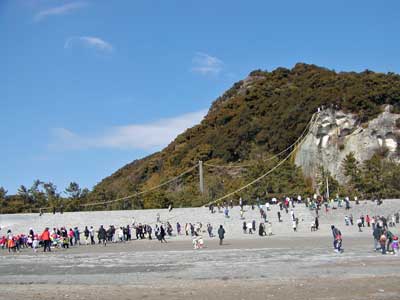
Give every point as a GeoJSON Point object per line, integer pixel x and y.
{"type": "Point", "coordinates": [62, 238]}
{"type": "Point", "coordinates": [384, 239]}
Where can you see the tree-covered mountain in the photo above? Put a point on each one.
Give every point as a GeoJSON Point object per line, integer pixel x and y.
{"type": "Point", "coordinates": [255, 119]}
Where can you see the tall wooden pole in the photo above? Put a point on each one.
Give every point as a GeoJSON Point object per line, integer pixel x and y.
{"type": "Point", "coordinates": [201, 177]}
{"type": "Point", "coordinates": [327, 188]}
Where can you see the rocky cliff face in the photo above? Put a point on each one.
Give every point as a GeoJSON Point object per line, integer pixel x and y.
{"type": "Point", "coordinates": [336, 133]}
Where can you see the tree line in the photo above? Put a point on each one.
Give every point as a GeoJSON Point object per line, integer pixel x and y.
{"type": "Point", "coordinates": [375, 178]}
{"type": "Point", "coordinates": [42, 195]}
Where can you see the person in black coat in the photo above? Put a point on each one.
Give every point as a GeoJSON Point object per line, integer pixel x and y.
{"type": "Point", "coordinates": [221, 234]}
{"type": "Point", "coordinates": [102, 235]}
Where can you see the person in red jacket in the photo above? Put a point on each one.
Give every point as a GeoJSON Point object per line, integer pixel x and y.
{"type": "Point", "coordinates": [46, 239]}
{"type": "Point", "coordinates": [368, 220]}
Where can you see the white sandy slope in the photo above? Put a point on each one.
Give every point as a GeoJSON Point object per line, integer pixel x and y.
{"type": "Point", "coordinates": [20, 223]}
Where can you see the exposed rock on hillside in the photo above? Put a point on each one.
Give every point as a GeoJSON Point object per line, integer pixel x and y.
{"type": "Point", "coordinates": [336, 134]}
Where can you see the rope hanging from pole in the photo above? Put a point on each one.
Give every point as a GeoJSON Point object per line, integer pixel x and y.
{"type": "Point", "coordinates": [143, 192]}
{"type": "Point", "coordinates": [265, 160]}
{"type": "Point", "coordinates": [136, 194]}
{"type": "Point", "coordinates": [299, 141]}
{"type": "Point", "coordinates": [296, 144]}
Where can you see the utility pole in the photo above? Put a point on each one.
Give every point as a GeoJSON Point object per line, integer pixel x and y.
{"type": "Point", "coordinates": [201, 177]}
{"type": "Point", "coordinates": [327, 188]}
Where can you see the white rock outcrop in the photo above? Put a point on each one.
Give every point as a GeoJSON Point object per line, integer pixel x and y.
{"type": "Point", "coordinates": [336, 133]}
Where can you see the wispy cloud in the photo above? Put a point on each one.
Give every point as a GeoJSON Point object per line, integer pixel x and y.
{"type": "Point", "coordinates": [59, 10]}
{"type": "Point", "coordinates": [206, 64]}
{"type": "Point", "coordinates": [149, 136]}
{"type": "Point", "coordinates": [89, 41]}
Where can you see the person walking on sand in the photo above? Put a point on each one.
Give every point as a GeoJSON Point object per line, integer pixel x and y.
{"type": "Point", "coordinates": [244, 227]}
{"type": "Point", "coordinates": [377, 232]}
{"type": "Point", "coordinates": [161, 235]}
{"type": "Point", "coordinates": [382, 241]}
{"type": "Point", "coordinates": [102, 234]}
{"type": "Point", "coordinates": [359, 224]}
{"type": "Point", "coordinates": [395, 245]}
{"type": "Point", "coordinates": [226, 212]}
{"type": "Point", "coordinates": [91, 233]}
{"type": "Point", "coordinates": [209, 230]}
{"type": "Point", "coordinates": [269, 228]}
{"type": "Point", "coordinates": [178, 228]}
{"type": "Point", "coordinates": [46, 239]}
{"type": "Point", "coordinates": [86, 234]}
{"type": "Point", "coordinates": [368, 220]}
{"type": "Point", "coordinates": [337, 239]}
{"type": "Point", "coordinates": [221, 234]}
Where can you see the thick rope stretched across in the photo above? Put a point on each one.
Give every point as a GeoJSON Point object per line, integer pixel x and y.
{"type": "Point", "coordinates": [143, 192]}
{"type": "Point", "coordinates": [312, 120]}
{"type": "Point", "coordinates": [195, 166]}
{"type": "Point", "coordinates": [268, 159]}
{"type": "Point", "coordinates": [300, 140]}
{"type": "Point", "coordinates": [136, 194]}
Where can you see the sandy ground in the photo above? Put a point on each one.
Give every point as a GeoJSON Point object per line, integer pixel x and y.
{"type": "Point", "coordinates": [20, 223]}
{"type": "Point", "coordinates": [317, 288]}
{"type": "Point", "coordinates": [269, 268]}
{"type": "Point", "coordinates": [287, 265]}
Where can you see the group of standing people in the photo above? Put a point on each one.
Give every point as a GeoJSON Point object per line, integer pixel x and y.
{"type": "Point", "coordinates": [63, 238]}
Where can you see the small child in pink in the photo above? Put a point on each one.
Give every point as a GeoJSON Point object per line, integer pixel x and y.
{"type": "Point", "coordinates": [395, 245]}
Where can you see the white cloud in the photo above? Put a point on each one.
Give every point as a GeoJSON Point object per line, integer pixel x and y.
{"type": "Point", "coordinates": [149, 136]}
{"type": "Point", "coordinates": [89, 41]}
{"type": "Point", "coordinates": [59, 10]}
{"type": "Point", "coordinates": [206, 64]}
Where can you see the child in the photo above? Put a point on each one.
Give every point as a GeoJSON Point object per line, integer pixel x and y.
{"type": "Point", "coordinates": [65, 242]}
{"type": "Point", "coordinates": [269, 228]}
{"type": "Point", "coordinates": [382, 241]}
{"type": "Point", "coordinates": [395, 245]}
{"type": "Point", "coordinates": [3, 242]}
{"type": "Point", "coordinates": [226, 211]}
{"type": "Point", "coordinates": [11, 244]}
{"type": "Point", "coordinates": [29, 241]}
{"type": "Point", "coordinates": [35, 244]}
{"type": "Point", "coordinates": [250, 227]}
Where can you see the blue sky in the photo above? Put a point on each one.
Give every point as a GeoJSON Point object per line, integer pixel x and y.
{"type": "Point", "coordinates": [88, 86]}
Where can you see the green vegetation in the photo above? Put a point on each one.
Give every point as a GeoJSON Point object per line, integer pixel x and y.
{"type": "Point", "coordinates": [256, 118]}
{"type": "Point", "coordinates": [42, 195]}
{"type": "Point", "coordinates": [374, 178]}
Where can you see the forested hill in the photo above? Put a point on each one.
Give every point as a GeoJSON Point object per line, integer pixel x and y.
{"type": "Point", "coordinates": [250, 123]}
{"type": "Point", "coordinates": [256, 118]}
